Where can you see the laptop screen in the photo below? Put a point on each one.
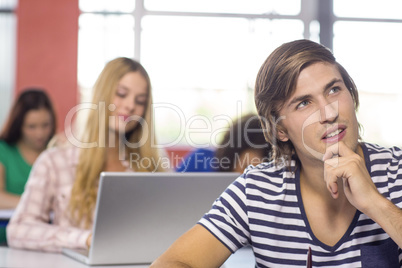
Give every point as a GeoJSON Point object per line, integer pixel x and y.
{"type": "Point", "coordinates": [139, 215]}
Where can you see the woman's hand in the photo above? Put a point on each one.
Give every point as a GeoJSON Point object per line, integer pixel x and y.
{"type": "Point", "coordinates": [89, 241]}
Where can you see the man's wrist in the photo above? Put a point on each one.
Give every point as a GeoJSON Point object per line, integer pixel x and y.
{"type": "Point", "coordinates": [381, 210]}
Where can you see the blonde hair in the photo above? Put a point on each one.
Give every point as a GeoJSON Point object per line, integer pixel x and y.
{"type": "Point", "coordinates": [92, 160]}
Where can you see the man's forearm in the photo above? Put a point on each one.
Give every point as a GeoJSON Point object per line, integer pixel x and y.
{"type": "Point", "coordinates": [168, 264]}
{"type": "Point", "coordinates": [389, 217]}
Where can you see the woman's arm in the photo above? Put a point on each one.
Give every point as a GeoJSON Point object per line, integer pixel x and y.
{"type": "Point", "coordinates": [196, 248]}
{"type": "Point", "coordinates": [7, 200]}
{"type": "Point", "coordinates": [30, 227]}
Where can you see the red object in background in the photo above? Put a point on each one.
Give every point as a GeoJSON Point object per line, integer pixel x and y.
{"type": "Point", "coordinates": [47, 49]}
{"type": "Point", "coordinates": [177, 153]}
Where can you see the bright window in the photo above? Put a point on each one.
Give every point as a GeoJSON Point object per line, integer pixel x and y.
{"type": "Point", "coordinates": [282, 7]}
{"type": "Point", "coordinates": [203, 55]}
{"type": "Point", "coordinates": [371, 52]}
{"type": "Point", "coordinates": [207, 67]}
{"type": "Point", "coordinates": [101, 38]}
{"type": "Point", "coordinates": [384, 9]}
{"type": "Point", "coordinates": [202, 67]}
{"type": "Point", "coordinates": [107, 5]}
{"type": "Point", "coordinates": [7, 56]}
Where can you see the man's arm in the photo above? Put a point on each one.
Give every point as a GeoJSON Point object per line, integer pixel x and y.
{"type": "Point", "coordinates": [360, 189]}
{"type": "Point", "coordinates": [389, 217]}
{"type": "Point", "coordinates": [196, 248]}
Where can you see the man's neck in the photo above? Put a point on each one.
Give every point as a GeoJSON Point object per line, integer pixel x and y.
{"type": "Point", "coordinates": [312, 180]}
{"type": "Point", "coordinates": [328, 218]}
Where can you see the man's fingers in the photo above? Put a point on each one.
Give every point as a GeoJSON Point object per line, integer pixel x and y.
{"type": "Point", "coordinates": [333, 162]}
{"type": "Point", "coordinates": [331, 152]}
{"type": "Point", "coordinates": [333, 189]}
{"type": "Point", "coordinates": [330, 176]}
{"type": "Point", "coordinates": [337, 149]}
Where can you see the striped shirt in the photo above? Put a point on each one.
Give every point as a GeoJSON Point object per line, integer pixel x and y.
{"type": "Point", "coordinates": [263, 208]}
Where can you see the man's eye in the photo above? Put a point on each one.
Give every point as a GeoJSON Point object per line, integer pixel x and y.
{"type": "Point", "coordinates": [334, 90]}
{"type": "Point", "coordinates": [302, 104]}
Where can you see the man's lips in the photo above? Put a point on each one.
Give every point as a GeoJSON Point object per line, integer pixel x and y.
{"type": "Point", "coordinates": [334, 134]}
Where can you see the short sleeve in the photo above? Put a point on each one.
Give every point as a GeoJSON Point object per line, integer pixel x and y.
{"type": "Point", "coordinates": [395, 177]}
{"type": "Point", "coordinates": [227, 220]}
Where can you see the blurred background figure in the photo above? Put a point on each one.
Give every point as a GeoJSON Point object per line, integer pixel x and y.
{"type": "Point", "coordinates": [243, 144]}
{"type": "Point", "coordinates": [57, 207]}
{"type": "Point", "coordinates": [30, 126]}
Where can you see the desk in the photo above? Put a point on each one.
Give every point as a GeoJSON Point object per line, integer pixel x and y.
{"type": "Point", "coordinates": [5, 215]}
{"type": "Point", "coordinates": [9, 257]}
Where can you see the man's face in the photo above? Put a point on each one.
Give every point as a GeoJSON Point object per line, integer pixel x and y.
{"type": "Point", "coordinates": [320, 113]}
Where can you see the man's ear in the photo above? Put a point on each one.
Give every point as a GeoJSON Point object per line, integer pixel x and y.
{"type": "Point", "coordinates": [282, 135]}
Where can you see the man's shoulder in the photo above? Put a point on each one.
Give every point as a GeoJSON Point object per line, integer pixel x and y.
{"type": "Point", "coordinates": [378, 152]}
{"type": "Point", "coordinates": [272, 172]}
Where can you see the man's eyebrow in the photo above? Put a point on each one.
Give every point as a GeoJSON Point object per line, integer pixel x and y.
{"type": "Point", "coordinates": [331, 83]}
{"type": "Point", "coordinates": [299, 99]}
{"type": "Point", "coordinates": [307, 96]}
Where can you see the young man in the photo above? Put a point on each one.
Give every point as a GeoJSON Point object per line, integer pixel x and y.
{"type": "Point", "coordinates": [323, 190]}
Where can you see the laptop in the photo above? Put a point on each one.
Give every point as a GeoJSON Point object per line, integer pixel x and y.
{"type": "Point", "coordinates": [139, 215]}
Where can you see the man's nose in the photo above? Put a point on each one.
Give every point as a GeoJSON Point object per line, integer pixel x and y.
{"type": "Point", "coordinates": [329, 112]}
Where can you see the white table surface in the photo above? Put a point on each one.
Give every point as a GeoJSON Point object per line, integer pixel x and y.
{"type": "Point", "coordinates": [5, 214]}
{"type": "Point", "coordinates": [14, 258]}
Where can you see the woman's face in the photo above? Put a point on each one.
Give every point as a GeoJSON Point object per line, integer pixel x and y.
{"type": "Point", "coordinates": [129, 102]}
{"type": "Point", "coordinates": [37, 128]}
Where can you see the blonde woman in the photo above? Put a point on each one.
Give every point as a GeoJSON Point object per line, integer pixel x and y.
{"type": "Point", "coordinates": [64, 180]}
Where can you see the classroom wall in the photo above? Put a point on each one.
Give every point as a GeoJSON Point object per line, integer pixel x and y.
{"type": "Point", "coordinates": [47, 41]}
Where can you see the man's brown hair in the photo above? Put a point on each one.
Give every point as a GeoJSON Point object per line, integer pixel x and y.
{"type": "Point", "coordinates": [276, 82]}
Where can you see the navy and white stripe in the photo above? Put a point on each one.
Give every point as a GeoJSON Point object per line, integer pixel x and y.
{"type": "Point", "coordinates": [263, 208]}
